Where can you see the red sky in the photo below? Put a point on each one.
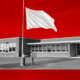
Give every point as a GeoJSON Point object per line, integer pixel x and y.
{"type": "Point", "coordinates": [65, 12]}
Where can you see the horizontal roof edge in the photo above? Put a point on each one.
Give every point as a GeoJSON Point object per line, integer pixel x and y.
{"type": "Point", "coordinates": [54, 42]}
{"type": "Point", "coordinates": [9, 38]}
{"type": "Point", "coordinates": [17, 37]}
{"type": "Point", "coordinates": [62, 38]}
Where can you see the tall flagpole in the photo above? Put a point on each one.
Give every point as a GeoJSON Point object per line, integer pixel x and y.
{"type": "Point", "coordinates": [22, 56]}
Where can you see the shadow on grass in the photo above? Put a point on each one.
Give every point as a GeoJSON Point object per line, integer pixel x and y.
{"type": "Point", "coordinates": [36, 65]}
{"type": "Point", "coordinates": [57, 60]}
{"type": "Point", "coordinates": [18, 66]}
{"type": "Point", "coordinates": [10, 65]}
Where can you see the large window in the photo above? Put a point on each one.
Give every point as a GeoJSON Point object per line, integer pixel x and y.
{"type": "Point", "coordinates": [58, 47]}
{"type": "Point", "coordinates": [32, 48]}
{"type": "Point", "coordinates": [44, 48]}
{"type": "Point", "coordinates": [14, 46]}
{"type": "Point", "coordinates": [36, 48]}
{"type": "Point", "coordinates": [11, 47]}
{"type": "Point", "coordinates": [40, 48]}
{"type": "Point", "coordinates": [50, 48]}
{"type": "Point", "coordinates": [66, 47]}
{"type": "Point", "coordinates": [78, 49]}
{"type": "Point", "coordinates": [1, 47]}
{"type": "Point", "coordinates": [8, 47]}
{"type": "Point", "coordinates": [53, 48]}
{"type": "Point", "coordinates": [62, 47]}
{"type": "Point", "coordinates": [4, 47]}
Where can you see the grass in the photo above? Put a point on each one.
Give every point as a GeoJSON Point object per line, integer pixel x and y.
{"type": "Point", "coordinates": [40, 63]}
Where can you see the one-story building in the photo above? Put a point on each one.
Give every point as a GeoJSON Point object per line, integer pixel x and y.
{"type": "Point", "coordinates": [55, 47]}
{"type": "Point", "coordinates": [12, 47]}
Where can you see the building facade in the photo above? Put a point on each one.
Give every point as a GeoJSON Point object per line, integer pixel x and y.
{"type": "Point", "coordinates": [12, 47]}
{"type": "Point", "coordinates": [57, 47]}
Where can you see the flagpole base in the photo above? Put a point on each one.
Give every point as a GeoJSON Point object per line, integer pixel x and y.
{"type": "Point", "coordinates": [23, 61]}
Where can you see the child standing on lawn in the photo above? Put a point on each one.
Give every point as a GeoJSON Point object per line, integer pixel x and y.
{"type": "Point", "coordinates": [32, 58]}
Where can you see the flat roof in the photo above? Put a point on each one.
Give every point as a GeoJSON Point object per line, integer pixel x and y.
{"type": "Point", "coordinates": [63, 38]}
{"type": "Point", "coordinates": [77, 41]}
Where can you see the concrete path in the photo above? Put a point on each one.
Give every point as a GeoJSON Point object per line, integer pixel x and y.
{"type": "Point", "coordinates": [41, 63]}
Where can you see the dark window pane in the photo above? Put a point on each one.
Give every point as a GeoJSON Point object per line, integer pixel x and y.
{"type": "Point", "coordinates": [4, 51]}
{"type": "Point", "coordinates": [13, 48]}
{"type": "Point", "coordinates": [40, 48]}
{"type": "Point", "coordinates": [49, 50]}
{"type": "Point", "coordinates": [10, 49]}
{"type": "Point", "coordinates": [0, 50]}
{"type": "Point", "coordinates": [44, 48]}
{"type": "Point", "coordinates": [58, 47]}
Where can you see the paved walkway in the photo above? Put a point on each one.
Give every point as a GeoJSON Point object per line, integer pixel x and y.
{"type": "Point", "coordinates": [41, 63]}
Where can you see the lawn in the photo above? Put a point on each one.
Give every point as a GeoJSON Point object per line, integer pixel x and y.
{"type": "Point", "coordinates": [40, 63]}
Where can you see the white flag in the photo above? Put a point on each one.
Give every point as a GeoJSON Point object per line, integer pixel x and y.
{"type": "Point", "coordinates": [39, 19]}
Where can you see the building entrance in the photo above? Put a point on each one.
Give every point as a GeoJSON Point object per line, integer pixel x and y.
{"type": "Point", "coordinates": [78, 49]}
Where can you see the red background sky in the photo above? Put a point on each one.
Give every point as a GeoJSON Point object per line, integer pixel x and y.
{"type": "Point", "coordinates": [67, 20]}
{"type": "Point", "coordinates": [65, 12]}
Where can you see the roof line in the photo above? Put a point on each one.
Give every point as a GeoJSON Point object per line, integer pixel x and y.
{"type": "Point", "coordinates": [61, 37]}
{"type": "Point", "coordinates": [55, 42]}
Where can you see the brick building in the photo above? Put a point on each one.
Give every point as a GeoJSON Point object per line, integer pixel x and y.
{"type": "Point", "coordinates": [55, 47]}
{"type": "Point", "coordinates": [12, 47]}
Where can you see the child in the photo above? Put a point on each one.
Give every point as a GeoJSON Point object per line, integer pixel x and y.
{"type": "Point", "coordinates": [32, 58]}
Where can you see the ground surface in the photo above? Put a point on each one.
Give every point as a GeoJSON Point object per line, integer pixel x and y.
{"type": "Point", "coordinates": [40, 63]}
